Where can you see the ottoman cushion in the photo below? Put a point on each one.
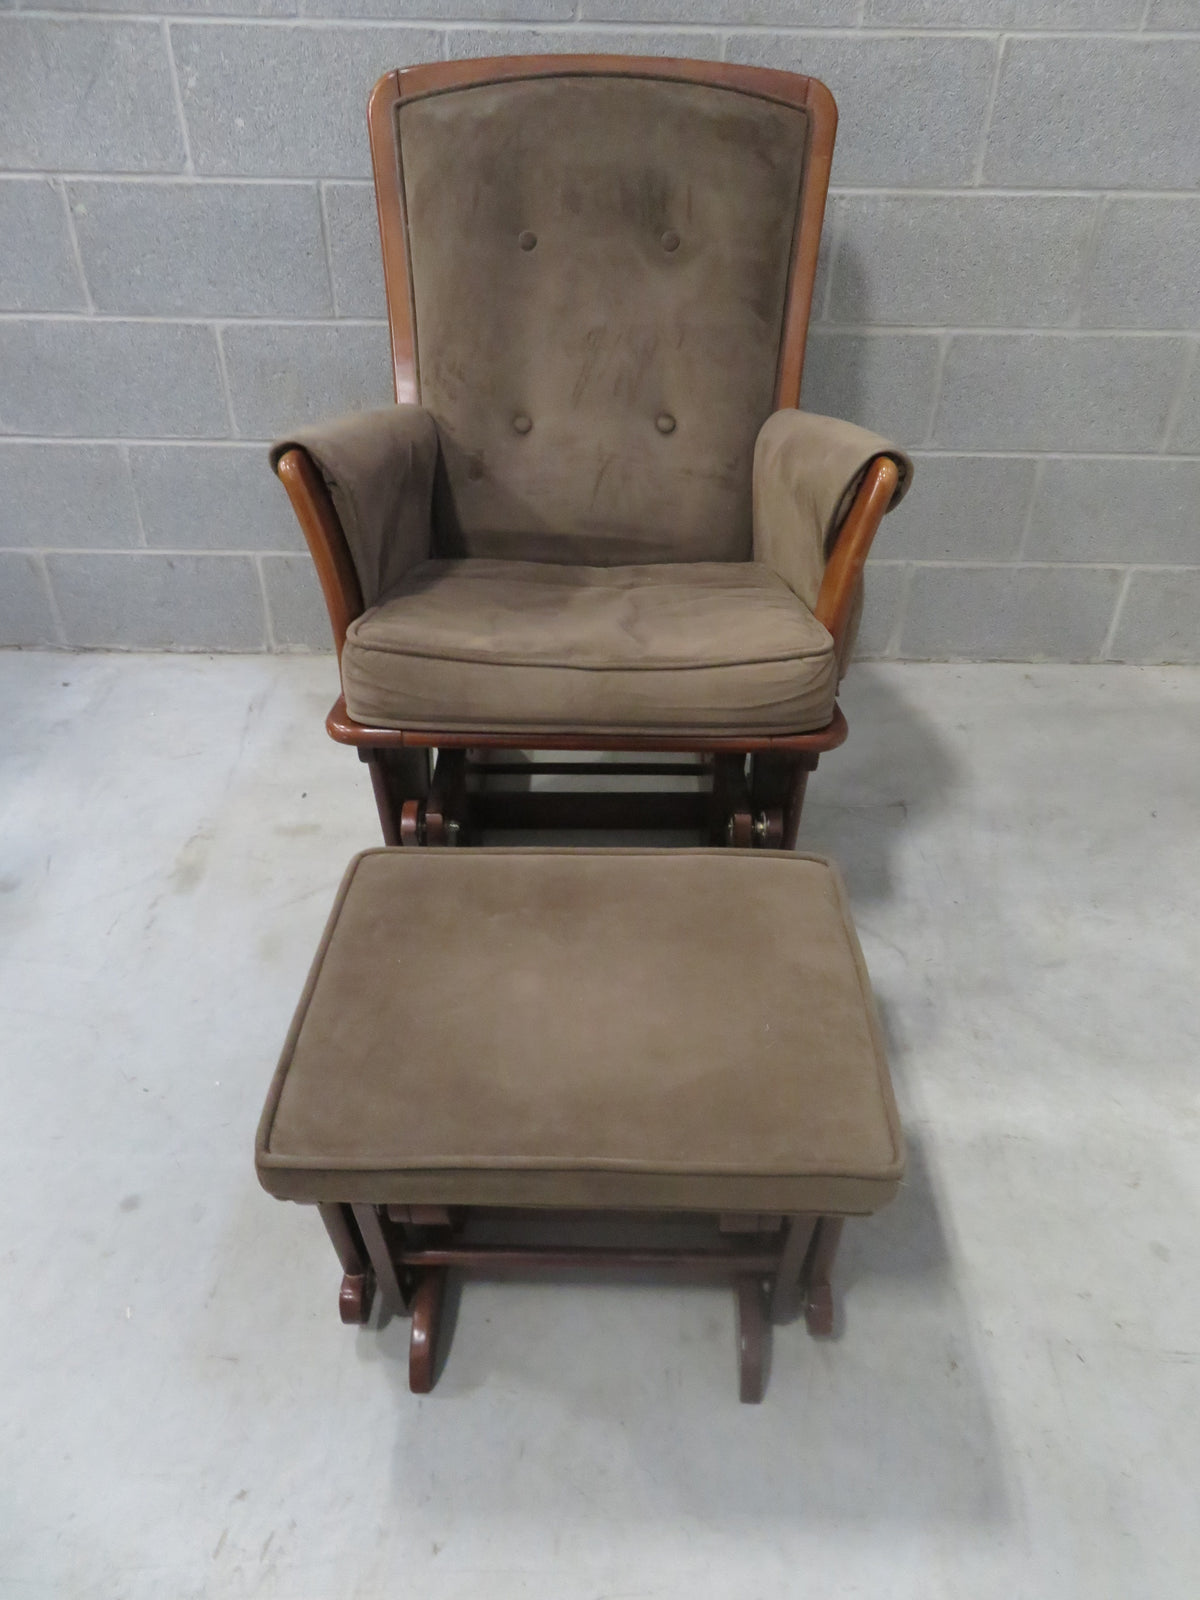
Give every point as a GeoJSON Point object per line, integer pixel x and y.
{"type": "Point", "coordinates": [651, 1029]}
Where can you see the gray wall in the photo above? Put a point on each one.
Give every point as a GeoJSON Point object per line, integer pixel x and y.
{"type": "Point", "coordinates": [188, 264]}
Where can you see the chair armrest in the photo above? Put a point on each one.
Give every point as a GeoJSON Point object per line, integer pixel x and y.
{"type": "Point", "coordinates": [362, 490]}
{"type": "Point", "coordinates": [818, 480]}
{"type": "Point", "coordinates": [839, 599]}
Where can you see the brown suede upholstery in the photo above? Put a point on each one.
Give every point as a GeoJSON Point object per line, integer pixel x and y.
{"type": "Point", "coordinates": [592, 522]}
{"type": "Point", "coordinates": [378, 467]}
{"type": "Point", "coordinates": [681, 647]}
{"type": "Point", "coordinates": [599, 269]}
{"type": "Point", "coordinates": [806, 471]}
{"type": "Point", "coordinates": [712, 647]}
{"type": "Point", "coordinates": [613, 1028]}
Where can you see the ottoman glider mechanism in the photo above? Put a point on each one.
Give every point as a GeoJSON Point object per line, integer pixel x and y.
{"type": "Point", "coordinates": [778, 1265]}
{"type": "Point", "coordinates": [510, 1062]}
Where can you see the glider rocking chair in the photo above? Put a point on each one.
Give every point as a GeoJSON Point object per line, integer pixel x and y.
{"type": "Point", "coordinates": [594, 521]}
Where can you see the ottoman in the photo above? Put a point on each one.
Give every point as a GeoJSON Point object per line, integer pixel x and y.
{"type": "Point", "coordinates": [520, 1060]}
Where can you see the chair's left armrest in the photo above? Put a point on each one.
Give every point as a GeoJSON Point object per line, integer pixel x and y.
{"type": "Point", "coordinates": [821, 488]}
{"type": "Point", "coordinates": [362, 489]}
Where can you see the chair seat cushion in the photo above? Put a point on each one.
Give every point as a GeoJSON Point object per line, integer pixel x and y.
{"type": "Point", "coordinates": [623, 1029]}
{"type": "Point", "coordinates": [507, 646]}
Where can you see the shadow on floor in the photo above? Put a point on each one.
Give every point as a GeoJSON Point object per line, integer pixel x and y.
{"type": "Point", "coordinates": [632, 1391]}
{"type": "Point", "coordinates": [894, 772]}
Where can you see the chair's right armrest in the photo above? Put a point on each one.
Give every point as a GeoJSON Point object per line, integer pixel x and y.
{"type": "Point", "coordinates": [362, 490]}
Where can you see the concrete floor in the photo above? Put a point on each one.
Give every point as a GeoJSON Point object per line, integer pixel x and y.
{"type": "Point", "coordinates": [1013, 1409]}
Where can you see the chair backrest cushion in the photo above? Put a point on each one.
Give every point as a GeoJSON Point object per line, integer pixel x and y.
{"type": "Point", "coordinates": [599, 267]}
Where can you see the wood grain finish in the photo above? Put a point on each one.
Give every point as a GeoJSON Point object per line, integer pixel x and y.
{"type": "Point", "coordinates": [770, 1260]}
{"type": "Point", "coordinates": [322, 529]}
{"type": "Point", "coordinates": [818, 1277]}
{"type": "Point", "coordinates": [844, 569]}
{"type": "Point", "coordinates": [423, 1337]}
{"type": "Point", "coordinates": [342, 727]}
{"type": "Point", "coordinates": [379, 1249]}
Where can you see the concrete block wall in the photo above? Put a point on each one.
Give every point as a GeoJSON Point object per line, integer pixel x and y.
{"type": "Point", "coordinates": [1010, 287]}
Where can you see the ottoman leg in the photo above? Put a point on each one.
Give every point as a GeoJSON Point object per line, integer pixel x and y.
{"type": "Point", "coordinates": [786, 1288]}
{"type": "Point", "coordinates": [426, 1320]}
{"type": "Point", "coordinates": [358, 1280]}
{"type": "Point", "coordinates": [370, 1226]}
{"type": "Point", "coordinates": [818, 1306]}
{"type": "Point", "coordinates": [753, 1333]}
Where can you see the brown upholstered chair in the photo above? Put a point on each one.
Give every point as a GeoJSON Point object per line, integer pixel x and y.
{"type": "Point", "coordinates": [594, 519]}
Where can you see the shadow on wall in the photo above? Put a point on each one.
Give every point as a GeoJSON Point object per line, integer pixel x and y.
{"type": "Point", "coordinates": [836, 379]}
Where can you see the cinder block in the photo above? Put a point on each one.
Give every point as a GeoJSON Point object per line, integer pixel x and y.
{"type": "Point", "coordinates": [288, 102]}
{"type": "Point", "coordinates": [281, 377]}
{"type": "Point", "coordinates": [37, 264]}
{"type": "Point", "coordinates": [199, 8]}
{"type": "Point", "coordinates": [110, 379]}
{"type": "Point", "coordinates": [469, 43]}
{"type": "Point", "coordinates": [1141, 512]}
{"type": "Point", "coordinates": [1008, 613]}
{"type": "Point", "coordinates": [159, 602]}
{"type": "Point", "coordinates": [1096, 113]}
{"type": "Point", "coordinates": [883, 594]}
{"type": "Point", "coordinates": [1181, 15]}
{"type": "Point", "coordinates": [354, 250]}
{"type": "Point", "coordinates": [1185, 434]}
{"type": "Point", "coordinates": [1145, 270]}
{"type": "Point", "coordinates": [25, 614]}
{"type": "Point", "coordinates": [824, 259]}
{"type": "Point", "coordinates": [1160, 620]}
{"type": "Point", "coordinates": [1052, 391]}
{"type": "Point", "coordinates": [740, 13]}
{"type": "Point", "coordinates": [991, 261]}
{"type": "Point", "coordinates": [83, 96]}
{"type": "Point", "coordinates": [912, 110]}
{"type": "Point", "coordinates": [1057, 14]}
{"type": "Point", "coordinates": [961, 508]}
{"type": "Point", "coordinates": [1102, 15]}
{"type": "Point", "coordinates": [200, 249]}
{"type": "Point", "coordinates": [65, 497]}
{"type": "Point", "coordinates": [299, 620]}
{"type": "Point", "coordinates": [212, 497]}
{"type": "Point", "coordinates": [445, 10]}
{"type": "Point", "coordinates": [883, 381]}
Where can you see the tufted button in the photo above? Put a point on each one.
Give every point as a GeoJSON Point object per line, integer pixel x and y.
{"type": "Point", "coordinates": [527, 239]}
{"type": "Point", "coordinates": [522, 423]}
{"type": "Point", "coordinates": [665, 422]}
{"type": "Point", "coordinates": [670, 240]}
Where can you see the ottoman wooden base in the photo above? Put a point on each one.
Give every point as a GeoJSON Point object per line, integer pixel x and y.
{"type": "Point", "coordinates": [629, 1061]}
{"type": "Point", "coordinates": [778, 1266]}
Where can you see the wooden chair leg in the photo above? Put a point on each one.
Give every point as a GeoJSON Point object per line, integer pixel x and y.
{"type": "Point", "coordinates": [399, 778]}
{"type": "Point", "coordinates": [818, 1272]}
{"type": "Point", "coordinates": [795, 801]}
{"type": "Point", "coordinates": [358, 1280]}
{"type": "Point", "coordinates": [753, 1332]}
{"type": "Point", "coordinates": [426, 1320]}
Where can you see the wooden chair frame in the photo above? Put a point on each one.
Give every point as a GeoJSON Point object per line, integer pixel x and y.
{"type": "Point", "coordinates": [757, 784]}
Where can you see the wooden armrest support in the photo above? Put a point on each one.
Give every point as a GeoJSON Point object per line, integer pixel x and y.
{"type": "Point", "coordinates": [835, 600]}
{"type": "Point", "coordinates": [322, 529]}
